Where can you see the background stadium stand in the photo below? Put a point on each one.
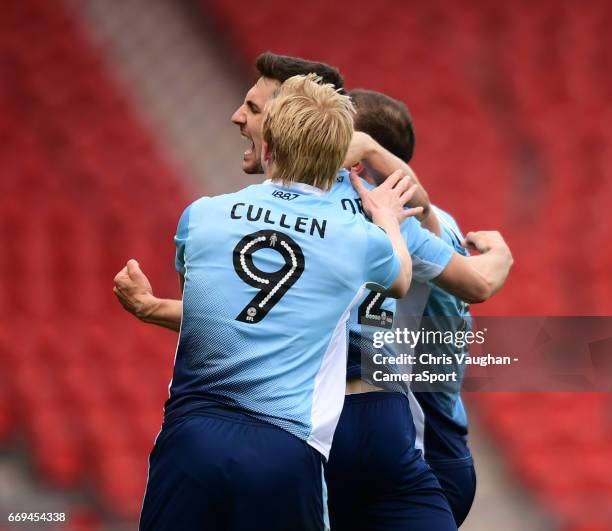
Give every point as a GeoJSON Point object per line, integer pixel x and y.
{"type": "Point", "coordinates": [114, 116]}
{"type": "Point", "coordinates": [84, 187]}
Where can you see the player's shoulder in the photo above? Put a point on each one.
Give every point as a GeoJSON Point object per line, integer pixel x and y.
{"type": "Point", "coordinates": [193, 211]}
{"type": "Point", "coordinates": [206, 205]}
{"type": "Point", "coordinates": [343, 185]}
{"type": "Point", "coordinates": [199, 203]}
{"type": "Point", "coordinates": [247, 191]}
{"type": "Point", "coordinates": [210, 203]}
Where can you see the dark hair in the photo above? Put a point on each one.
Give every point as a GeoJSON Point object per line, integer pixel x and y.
{"type": "Point", "coordinates": [386, 120]}
{"type": "Point", "coordinates": [282, 67]}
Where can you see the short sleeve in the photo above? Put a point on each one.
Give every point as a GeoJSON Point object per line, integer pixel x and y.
{"type": "Point", "coordinates": [381, 264]}
{"type": "Point", "coordinates": [430, 254]}
{"type": "Point", "coordinates": [182, 233]}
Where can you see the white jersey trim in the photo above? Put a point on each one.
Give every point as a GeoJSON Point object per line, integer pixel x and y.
{"type": "Point", "coordinates": [330, 386]}
{"type": "Point", "coordinates": [418, 417]}
{"type": "Point", "coordinates": [424, 271]}
{"type": "Point", "coordinates": [445, 219]}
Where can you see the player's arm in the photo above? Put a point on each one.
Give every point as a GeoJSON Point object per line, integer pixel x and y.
{"type": "Point", "coordinates": [476, 278]}
{"type": "Point", "coordinates": [384, 205]}
{"type": "Point", "coordinates": [134, 292]}
{"type": "Point", "coordinates": [364, 148]}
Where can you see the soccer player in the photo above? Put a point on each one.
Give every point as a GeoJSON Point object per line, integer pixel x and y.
{"type": "Point", "coordinates": [258, 380]}
{"type": "Point", "coordinates": [385, 486]}
{"type": "Point", "coordinates": [431, 255]}
{"type": "Point", "coordinates": [443, 429]}
{"type": "Point", "coordinates": [377, 478]}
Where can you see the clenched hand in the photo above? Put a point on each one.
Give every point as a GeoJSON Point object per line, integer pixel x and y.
{"type": "Point", "coordinates": [134, 291]}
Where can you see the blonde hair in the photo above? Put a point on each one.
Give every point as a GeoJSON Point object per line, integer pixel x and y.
{"type": "Point", "coordinates": [308, 126]}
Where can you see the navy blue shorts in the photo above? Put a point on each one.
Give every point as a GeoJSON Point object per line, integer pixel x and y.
{"type": "Point", "coordinates": [377, 480]}
{"type": "Point", "coordinates": [458, 479]}
{"type": "Point", "coordinates": [225, 471]}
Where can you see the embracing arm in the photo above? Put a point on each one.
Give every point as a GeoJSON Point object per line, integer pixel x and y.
{"type": "Point", "coordinates": [134, 292]}
{"type": "Point", "coordinates": [364, 148]}
{"type": "Point", "coordinates": [477, 278]}
{"type": "Point", "coordinates": [385, 207]}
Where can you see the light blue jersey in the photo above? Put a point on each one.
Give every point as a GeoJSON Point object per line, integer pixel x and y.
{"type": "Point", "coordinates": [445, 421]}
{"type": "Point", "coordinates": [271, 275]}
{"type": "Point", "coordinates": [430, 256]}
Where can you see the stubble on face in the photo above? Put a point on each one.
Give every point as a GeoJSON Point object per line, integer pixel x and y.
{"type": "Point", "coordinates": [249, 117]}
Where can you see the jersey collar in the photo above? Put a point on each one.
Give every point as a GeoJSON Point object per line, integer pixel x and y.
{"type": "Point", "coordinates": [307, 188]}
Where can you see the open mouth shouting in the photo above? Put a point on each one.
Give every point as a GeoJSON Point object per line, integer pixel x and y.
{"type": "Point", "coordinates": [251, 150]}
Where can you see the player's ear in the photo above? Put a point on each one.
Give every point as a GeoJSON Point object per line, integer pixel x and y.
{"type": "Point", "coordinates": [266, 152]}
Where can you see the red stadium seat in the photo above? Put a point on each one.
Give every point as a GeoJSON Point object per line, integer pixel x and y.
{"type": "Point", "coordinates": [75, 158]}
